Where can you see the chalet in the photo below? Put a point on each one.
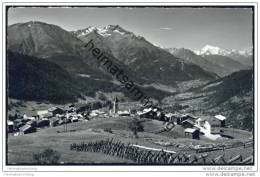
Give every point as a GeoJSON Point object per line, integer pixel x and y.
{"type": "Point", "coordinates": [183, 117]}
{"type": "Point", "coordinates": [94, 113]}
{"type": "Point", "coordinates": [44, 114]}
{"type": "Point", "coordinates": [211, 124]}
{"type": "Point", "coordinates": [221, 120]}
{"type": "Point", "coordinates": [147, 113]}
{"type": "Point", "coordinates": [10, 126]}
{"type": "Point", "coordinates": [74, 119]}
{"type": "Point", "coordinates": [124, 113]}
{"type": "Point", "coordinates": [27, 129]}
{"type": "Point", "coordinates": [152, 113]}
{"type": "Point", "coordinates": [194, 133]}
{"type": "Point", "coordinates": [187, 123]}
{"type": "Point", "coordinates": [217, 121]}
{"type": "Point", "coordinates": [30, 116]}
{"type": "Point", "coordinates": [173, 118]}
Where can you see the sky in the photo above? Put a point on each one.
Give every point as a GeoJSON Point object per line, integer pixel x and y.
{"type": "Point", "coordinates": [192, 28]}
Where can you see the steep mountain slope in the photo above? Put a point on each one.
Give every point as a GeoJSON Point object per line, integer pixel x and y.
{"type": "Point", "coordinates": [42, 40]}
{"type": "Point", "coordinates": [246, 60]}
{"type": "Point", "coordinates": [145, 59]}
{"type": "Point", "coordinates": [227, 63]}
{"type": "Point", "coordinates": [206, 64]}
{"type": "Point", "coordinates": [231, 96]}
{"type": "Point", "coordinates": [31, 78]}
{"type": "Point", "coordinates": [36, 79]}
{"type": "Point", "coordinates": [91, 34]}
{"type": "Point", "coordinates": [237, 84]}
{"type": "Point", "coordinates": [52, 43]}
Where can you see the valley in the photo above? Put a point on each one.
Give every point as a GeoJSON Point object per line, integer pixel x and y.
{"type": "Point", "coordinates": [60, 96]}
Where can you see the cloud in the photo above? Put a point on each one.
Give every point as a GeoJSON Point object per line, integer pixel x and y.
{"type": "Point", "coordinates": [165, 28]}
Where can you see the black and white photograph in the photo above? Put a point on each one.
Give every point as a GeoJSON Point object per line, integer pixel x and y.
{"type": "Point", "coordinates": [129, 85]}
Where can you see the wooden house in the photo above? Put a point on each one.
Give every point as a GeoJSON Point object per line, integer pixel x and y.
{"type": "Point", "coordinates": [27, 129]}
{"type": "Point", "coordinates": [194, 133]}
{"type": "Point", "coordinates": [10, 126]}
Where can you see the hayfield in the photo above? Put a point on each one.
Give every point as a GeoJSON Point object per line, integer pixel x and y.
{"type": "Point", "coordinates": [21, 148]}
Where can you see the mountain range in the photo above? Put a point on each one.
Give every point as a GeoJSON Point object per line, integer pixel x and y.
{"type": "Point", "coordinates": [141, 56]}
{"type": "Point", "coordinates": [220, 61]}
{"type": "Point", "coordinates": [147, 64]}
{"type": "Point", "coordinates": [141, 60]}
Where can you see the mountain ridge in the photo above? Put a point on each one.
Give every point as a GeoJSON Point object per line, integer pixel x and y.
{"type": "Point", "coordinates": [144, 62]}
{"type": "Point", "coordinates": [218, 64]}
{"type": "Point", "coordinates": [142, 56]}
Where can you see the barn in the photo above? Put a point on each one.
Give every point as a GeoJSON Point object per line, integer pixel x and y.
{"type": "Point", "coordinates": [147, 113]}
{"type": "Point", "coordinates": [221, 119]}
{"type": "Point", "coordinates": [41, 113]}
{"type": "Point", "coordinates": [10, 126]}
{"type": "Point", "coordinates": [194, 133]}
{"type": "Point", "coordinates": [187, 123]}
{"type": "Point", "coordinates": [183, 117]}
{"type": "Point", "coordinates": [27, 129]}
{"type": "Point", "coordinates": [124, 113]}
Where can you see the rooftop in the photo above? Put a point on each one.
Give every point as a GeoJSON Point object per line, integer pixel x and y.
{"type": "Point", "coordinates": [220, 117]}
{"type": "Point", "coordinates": [190, 130]}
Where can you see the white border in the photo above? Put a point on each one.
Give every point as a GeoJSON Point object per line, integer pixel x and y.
{"type": "Point", "coordinates": [125, 168]}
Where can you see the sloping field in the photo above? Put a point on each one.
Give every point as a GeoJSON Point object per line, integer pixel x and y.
{"type": "Point", "coordinates": [21, 148]}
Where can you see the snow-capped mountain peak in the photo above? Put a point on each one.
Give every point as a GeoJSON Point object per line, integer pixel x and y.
{"type": "Point", "coordinates": [85, 31]}
{"type": "Point", "coordinates": [106, 31]}
{"type": "Point", "coordinates": [114, 27]}
{"type": "Point", "coordinates": [248, 51]}
{"type": "Point", "coordinates": [214, 50]}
